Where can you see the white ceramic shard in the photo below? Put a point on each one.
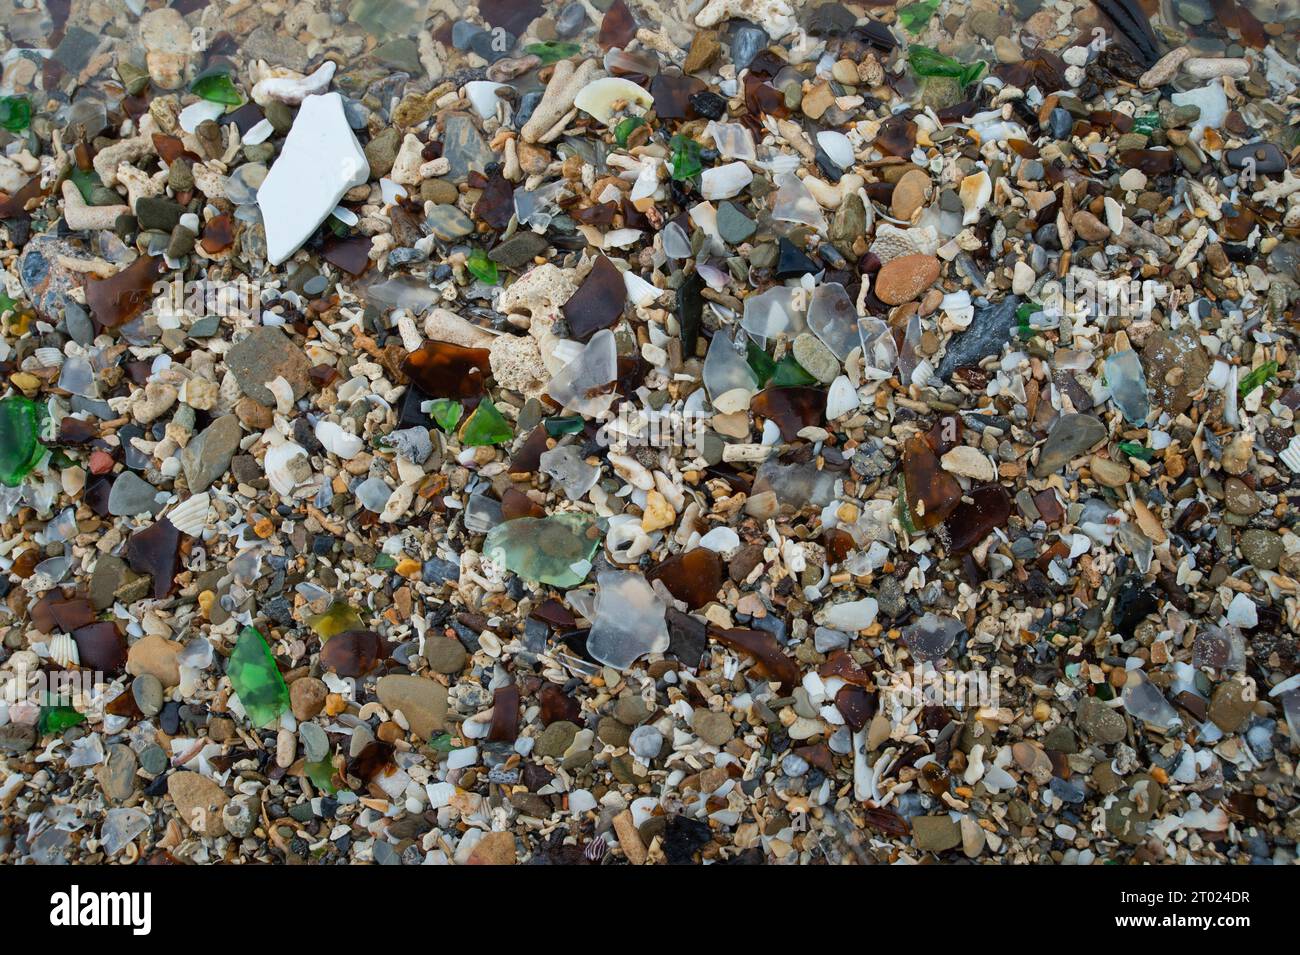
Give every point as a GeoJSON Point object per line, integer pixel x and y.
{"type": "Point", "coordinates": [321, 160]}
{"type": "Point", "coordinates": [629, 620]}
{"type": "Point", "coordinates": [597, 99]}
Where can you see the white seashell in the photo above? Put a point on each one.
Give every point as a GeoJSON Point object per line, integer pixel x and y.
{"type": "Point", "coordinates": [724, 540]}
{"type": "Point", "coordinates": [597, 99]}
{"type": "Point", "coordinates": [841, 399]}
{"type": "Point", "coordinates": [63, 650]}
{"type": "Point", "coordinates": [292, 88]}
{"type": "Point", "coordinates": [337, 441]}
{"type": "Point", "coordinates": [49, 357]}
{"type": "Point", "coordinates": [1290, 455]}
{"type": "Point", "coordinates": [191, 515]}
{"type": "Point", "coordinates": [282, 468]}
{"type": "Point", "coordinates": [639, 291]}
{"type": "Point", "coordinates": [631, 471]}
{"type": "Point", "coordinates": [194, 115]}
{"type": "Point", "coordinates": [626, 541]}
{"type": "Point", "coordinates": [482, 95]}
{"type": "Point", "coordinates": [837, 147]}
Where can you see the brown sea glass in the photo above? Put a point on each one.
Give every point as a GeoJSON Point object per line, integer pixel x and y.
{"type": "Point", "coordinates": [1049, 506]}
{"type": "Point", "coordinates": [119, 298]}
{"type": "Point", "coordinates": [693, 577]}
{"type": "Point", "coordinates": [351, 255]}
{"type": "Point", "coordinates": [838, 544]}
{"type": "Point", "coordinates": [932, 493]}
{"type": "Point", "coordinates": [54, 611]}
{"type": "Point", "coordinates": [556, 705]}
{"type": "Point", "coordinates": [444, 370]}
{"type": "Point", "coordinates": [101, 646]}
{"type": "Point", "coordinates": [497, 203]}
{"type": "Point", "coordinates": [599, 301]}
{"type": "Point", "coordinates": [156, 551]}
{"type": "Point", "coordinates": [762, 647]}
{"type": "Point", "coordinates": [617, 27]}
{"type": "Point", "coordinates": [969, 524]}
{"type": "Point", "coordinates": [856, 705]}
{"type": "Point", "coordinates": [515, 503]}
{"type": "Point", "coordinates": [897, 136]}
{"type": "Point", "coordinates": [1153, 162]}
{"type": "Point", "coordinates": [218, 234]}
{"type": "Point", "coordinates": [353, 653]}
{"type": "Point", "coordinates": [373, 760]}
{"type": "Point", "coordinates": [945, 433]}
{"type": "Point", "coordinates": [793, 409]}
{"type": "Point", "coordinates": [554, 614]}
{"type": "Point", "coordinates": [528, 456]}
{"type": "Point", "coordinates": [505, 715]}
{"type": "Point", "coordinates": [672, 93]}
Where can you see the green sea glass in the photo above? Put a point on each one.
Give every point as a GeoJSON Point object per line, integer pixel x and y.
{"type": "Point", "coordinates": [1257, 377]}
{"type": "Point", "coordinates": [915, 16]}
{"type": "Point", "coordinates": [556, 550]}
{"type": "Point", "coordinates": [256, 679]}
{"type": "Point", "coordinates": [930, 62]}
{"type": "Point", "coordinates": [788, 373]}
{"type": "Point", "coordinates": [215, 86]}
{"type": "Point", "coordinates": [56, 719]}
{"type": "Point", "coordinates": [559, 426]}
{"type": "Point", "coordinates": [552, 51]}
{"type": "Point", "coordinates": [686, 163]}
{"type": "Point", "coordinates": [760, 362]}
{"type": "Point", "coordinates": [486, 426]}
{"type": "Point", "coordinates": [482, 268]}
{"type": "Point", "coordinates": [446, 413]}
{"type": "Point", "coordinates": [321, 773]}
{"type": "Point", "coordinates": [626, 128]}
{"type": "Point", "coordinates": [20, 447]}
{"type": "Point", "coordinates": [15, 113]}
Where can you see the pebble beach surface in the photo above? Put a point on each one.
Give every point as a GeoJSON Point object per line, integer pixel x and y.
{"type": "Point", "coordinates": [649, 432]}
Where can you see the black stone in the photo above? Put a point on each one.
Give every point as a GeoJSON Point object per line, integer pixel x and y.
{"type": "Point", "coordinates": [708, 104]}
{"type": "Point", "coordinates": [1133, 604]}
{"type": "Point", "coordinates": [791, 263]}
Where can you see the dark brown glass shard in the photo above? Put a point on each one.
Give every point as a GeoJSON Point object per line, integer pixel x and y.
{"type": "Point", "coordinates": [617, 27]}
{"type": "Point", "coordinates": [969, 524]}
{"type": "Point", "coordinates": [838, 544]}
{"type": "Point", "coordinates": [350, 255]}
{"type": "Point", "coordinates": [515, 504]}
{"type": "Point", "coordinates": [156, 551]}
{"type": "Point", "coordinates": [945, 434]}
{"type": "Point", "coordinates": [1153, 162]}
{"type": "Point", "coordinates": [856, 705]}
{"type": "Point", "coordinates": [554, 614]}
{"type": "Point", "coordinates": [119, 298]}
{"type": "Point", "coordinates": [505, 715]}
{"type": "Point", "coordinates": [693, 577]}
{"type": "Point", "coordinates": [373, 760]}
{"type": "Point", "coordinates": [527, 458]}
{"type": "Point", "coordinates": [511, 15]}
{"type": "Point", "coordinates": [599, 301]}
{"type": "Point", "coordinates": [897, 136]}
{"type": "Point", "coordinates": [444, 370]}
{"type": "Point", "coordinates": [56, 612]}
{"type": "Point", "coordinates": [557, 705]}
{"type": "Point", "coordinates": [101, 646]}
{"type": "Point", "coordinates": [672, 94]}
{"type": "Point", "coordinates": [497, 203]}
{"type": "Point", "coordinates": [762, 647]}
{"type": "Point", "coordinates": [353, 653]}
{"type": "Point", "coordinates": [218, 234]}
{"type": "Point", "coordinates": [932, 493]}
{"type": "Point", "coordinates": [793, 409]}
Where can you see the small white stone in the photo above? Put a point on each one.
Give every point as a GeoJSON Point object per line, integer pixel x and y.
{"type": "Point", "coordinates": [195, 114]}
{"type": "Point", "coordinates": [1022, 278]}
{"type": "Point", "coordinates": [853, 615]}
{"type": "Point", "coordinates": [1242, 612]}
{"type": "Point", "coordinates": [968, 462]}
{"type": "Point", "coordinates": [1133, 180]}
{"type": "Point", "coordinates": [723, 540]}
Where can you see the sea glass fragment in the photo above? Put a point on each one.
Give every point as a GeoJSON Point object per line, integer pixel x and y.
{"type": "Point", "coordinates": [119, 298]}
{"type": "Point", "coordinates": [486, 426]}
{"type": "Point", "coordinates": [55, 719]}
{"type": "Point", "coordinates": [932, 636]}
{"type": "Point", "coordinates": [156, 551]}
{"type": "Point", "coordinates": [629, 620]}
{"type": "Point", "coordinates": [552, 51]}
{"type": "Point", "coordinates": [215, 86]}
{"type": "Point", "coordinates": [354, 653]}
{"type": "Point", "coordinates": [338, 617]}
{"type": "Point", "coordinates": [796, 484]}
{"type": "Point", "coordinates": [567, 469]}
{"type": "Point", "coordinates": [556, 550]}
{"type": "Point", "coordinates": [446, 413]}
{"type": "Point", "coordinates": [256, 679]}
{"type": "Point", "coordinates": [101, 646]}
{"type": "Point", "coordinates": [482, 268]}
{"type": "Point", "coordinates": [444, 370]}
{"type": "Point", "coordinates": [915, 16]}
{"type": "Point", "coordinates": [932, 493]}
{"type": "Point", "coordinates": [856, 705]}
{"type": "Point", "coordinates": [690, 309]}
{"type": "Point", "coordinates": [617, 27]}
{"type": "Point", "coordinates": [585, 384]}
{"type": "Point", "coordinates": [879, 350]}
{"type": "Point", "coordinates": [929, 62]}
{"type": "Point", "coordinates": [1145, 702]}
{"type": "Point", "coordinates": [505, 714]}
{"type": "Point", "coordinates": [693, 577]}
{"type": "Point", "coordinates": [793, 409]}
{"type": "Point", "coordinates": [15, 113]}
{"type": "Point", "coordinates": [1128, 385]}
{"type": "Point", "coordinates": [728, 377]}
{"type": "Point", "coordinates": [762, 647]}
{"type": "Point", "coordinates": [321, 773]}
{"type": "Point", "coordinates": [788, 373]}
{"type": "Point", "coordinates": [969, 524]}
{"type": "Point", "coordinates": [20, 447]}
{"type": "Point", "coordinates": [834, 319]}
{"type": "Point", "coordinates": [794, 203]}
{"type": "Point", "coordinates": [598, 303]}
{"type": "Point", "coordinates": [778, 311]}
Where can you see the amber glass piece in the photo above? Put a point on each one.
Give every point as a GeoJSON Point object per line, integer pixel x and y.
{"type": "Point", "coordinates": [932, 493]}
{"type": "Point", "coordinates": [762, 97]}
{"type": "Point", "coordinates": [793, 409]}
{"type": "Point", "coordinates": [16, 205]}
{"type": "Point", "coordinates": [935, 778]}
{"type": "Point", "coordinates": [124, 704]}
{"type": "Point", "coordinates": [945, 434]}
{"type": "Point", "coordinates": [515, 503]}
{"type": "Point", "coordinates": [505, 715]}
{"type": "Point", "coordinates": [557, 705]}
{"type": "Point", "coordinates": [101, 646]}
{"type": "Point", "coordinates": [373, 760]}
{"type": "Point", "coordinates": [351, 255]}
{"type": "Point", "coordinates": [353, 653]}
{"type": "Point", "coordinates": [497, 203]}
{"type": "Point", "coordinates": [672, 93]}
{"type": "Point", "coordinates": [1049, 506]}
{"type": "Point", "coordinates": [69, 615]}
{"type": "Point", "coordinates": [897, 137]}
{"type": "Point", "coordinates": [1237, 224]}
{"type": "Point", "coordinates": [762, 647]}
{"type": "Point", "coordinates": [1153, 162]}
{"type": "Point", "coordinates": [856, 705]}
{"type": "Point", "coordinates": [76, 431]}
{"type": "Point", "coordinates": [119, 298]}
{"type": "Point", "coordinates": [819, 755]}
{"type": "Point", "coordinates": [601, 215]}
{"type": "Point", "coordinates": [219, 235]}
{"type": "Point", "coordinates": [528, 457]}
{"type": "Point", "coordinates": [554, 614]}
{"type": "Point", "coordinates": [171, 149]}
{"type": "Point", "coordinates": [599, 301]}
{"type": "Point", "coordinates": [841, 664]}
{"type": "Point", "coordinates": [838, 544]}
{"type": "Point", "coordinates": [444, 370]}
{"type": "Point", "coordinates": [156, 551]}
{"type": "Point", "coordinates": [693, 577]}
{"type": "Point", "coordinates": [969, 524]}
{"type": "Point", "coordinates": [617, 27]}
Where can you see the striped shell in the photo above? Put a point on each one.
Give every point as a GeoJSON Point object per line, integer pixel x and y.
{"type": "Point", "coordinates": [63, 651]}
{"type": "Point", "coordinates": [190, 515]}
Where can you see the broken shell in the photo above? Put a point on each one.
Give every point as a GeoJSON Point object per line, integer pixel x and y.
{"type": "Point", "coordinates": [286, 467]}
{"type": "Point", "coordinates": [63, 650]}
{"type": "Point", "coordinates": [337, 441]}
{"type": "Point", "coordinates": [292, 88]}
{"type": "Point", "coordinates": [191, 515]}
{"type": "Point", "coordinates": [597, 99]}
